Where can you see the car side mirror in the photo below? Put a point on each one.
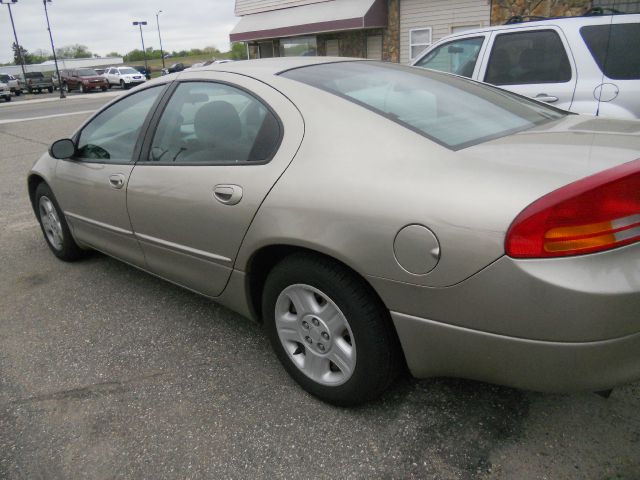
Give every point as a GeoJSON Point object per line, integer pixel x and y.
{"type": "Point", "coordinates": [62, 149]}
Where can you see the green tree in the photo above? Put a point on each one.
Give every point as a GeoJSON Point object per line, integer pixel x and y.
{"type": "Point", "coordinates": [238, 51]}
{"type": "Point", "coordinates": [18, 52]}
{"type": "Point", "coordinates": [74, 51]}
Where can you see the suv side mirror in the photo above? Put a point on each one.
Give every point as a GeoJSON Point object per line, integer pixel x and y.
{"type": "Point", "coordinates": [62, 149]}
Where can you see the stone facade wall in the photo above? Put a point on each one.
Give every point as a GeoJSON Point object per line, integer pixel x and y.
{"type": "Point", "coordinates": [502, 10]}
{"type": "Point", "coordinates": [391, 34]}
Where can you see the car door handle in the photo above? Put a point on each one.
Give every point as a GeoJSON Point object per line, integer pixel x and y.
{"type": "Point", "coordinates": [116, 180]}
{"type": "Point", "coordinates": [543, 97]}
{"type": "Point", "coordinates": [228, 194]}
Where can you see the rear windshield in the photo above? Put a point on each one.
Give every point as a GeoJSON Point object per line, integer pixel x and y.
{"type": "Point", "coordinates": [87, 72]}
{"type": "Point", "coordinates": [452, 111]}
{"type": "Point", "coordinates": [615, 48]}
{"type": "Point", "coordinates": [129, 71]}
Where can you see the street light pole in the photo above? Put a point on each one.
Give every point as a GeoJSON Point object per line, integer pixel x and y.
{"type": "Point", "coordinates": [15, 36]}
{"type": "Point", "coordinates": [160, 37]}
{"type": "Point", "coordinates": [140, 24]}
{"type": "Point", "coordinates": [53, 48]}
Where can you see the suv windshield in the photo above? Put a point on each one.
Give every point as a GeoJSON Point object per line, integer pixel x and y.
{"type": "Point", "coordinates": [34, 75]}
{"type": "Point", "coordinates": [129, 71]}
{"type": "Point", "coordinates": [87, 72]}
{"type": "Point", "coordinates": [452, 111]}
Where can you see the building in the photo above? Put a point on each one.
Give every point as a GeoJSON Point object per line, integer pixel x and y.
{"type": "Point", "coordinates": [389, 30]}
{"type": "Point", "coordinates": [63, 63]}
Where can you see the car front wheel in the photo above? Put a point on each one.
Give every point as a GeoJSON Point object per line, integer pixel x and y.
{"type": "Point", "coordinates": [54, 226]}
{"type": "Point", "coordinates": [330, 331]}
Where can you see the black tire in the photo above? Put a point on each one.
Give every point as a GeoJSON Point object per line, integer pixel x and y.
{"type": "Point", "coordinates": [30, 90]}
{"type": "Point", "coordinates": [378, 358]}
{"type": "Point", "coordinates": [104, 89]}
{"type": "Point", "coordinates": [123, 85]}
{"type": "Point", "coordinates": [50, 89]}
{"type": "Point", "coordinates": [39, 90]}
{"type": "Point", "coordinates": [7, 98]}
{"type": "Point", "coordinates": [18, 93]}
{"type": "Point", "coordinates": [69, 251]}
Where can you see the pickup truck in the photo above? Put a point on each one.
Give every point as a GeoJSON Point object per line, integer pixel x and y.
{"type": "Point", "coordinates": [14, 84]}
{"type": "Point", "coordinates": [5, 92]}
{"type": "Point", "coordinates": [37, 82]}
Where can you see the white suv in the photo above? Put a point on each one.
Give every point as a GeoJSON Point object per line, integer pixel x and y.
{"type": "Point", "coordinates": [583, 64]}
{"type": "Point", "coordinates": [124, 76]}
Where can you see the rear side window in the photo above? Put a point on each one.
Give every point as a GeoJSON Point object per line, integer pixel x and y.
{"type": "Point", "coordinates": [459, 57]}
{"type": "Point", "coordinates": [615, 48]}
{"type": "Point", "coordinates": [528, 58]}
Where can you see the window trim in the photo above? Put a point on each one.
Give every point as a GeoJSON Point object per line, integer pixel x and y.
{"type": "Point", "coordinates": [143, 129]}
{"type": "Point", "coordinates": [567, 51]}
{"type": "Point", "coordinates": [145, 151]}
{"type": "Point", "coordinates": [426, 45]}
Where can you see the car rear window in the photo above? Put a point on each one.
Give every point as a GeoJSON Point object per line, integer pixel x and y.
{"type": "Point", "coordinates": [615, 48]}
{"type": "Point", "coordinates": [450, 110]}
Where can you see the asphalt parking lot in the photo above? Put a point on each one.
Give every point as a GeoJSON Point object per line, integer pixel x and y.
{"type": "Point", "coordinates": [107, 372]}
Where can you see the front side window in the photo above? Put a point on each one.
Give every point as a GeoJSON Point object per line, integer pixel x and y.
{"type": "Point", "coordinates": [214, 123]}
{"type": "Point", "coordinates": [528, 58]}
{"type": "Point", "coordinates": [419, 39]}
{"type": "Point", "coordinates": [112, 135]}
{"type": "Point", "coordinates": [615, 49]}
{"type": "Point", "coordinates": [459, 57]}
{"type": "Point", "coordinates": [298, 47]}
{"type": "Point", "coordinates": [452, 111]}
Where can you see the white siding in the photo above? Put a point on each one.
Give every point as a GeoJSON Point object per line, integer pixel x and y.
{"type": "Point", "coordinates": [441, 16]}
{"type": "Point", "coordinates": [374, 47]}
{"type": "Point", "coordinates": [246, 7]}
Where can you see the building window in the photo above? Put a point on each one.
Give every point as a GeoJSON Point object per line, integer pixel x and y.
{"type": "Point", "coordinates": [333, 48]}
{"type": "Point", "coordinates": [265, 49]}
{"type": "Point", "coordinates": [463, 28]}
{"type": "Point", "coordinates": [419, 39]}
{"type": "Point", "coordinates": [298, 47]}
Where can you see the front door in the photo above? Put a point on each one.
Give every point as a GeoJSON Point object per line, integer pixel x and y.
{"type": "Point", "coordinates": [91, 186]}
{"type": "Point", "coordinates": [534, 63]}
{"type": "Point", "coordinates": [221, 143]}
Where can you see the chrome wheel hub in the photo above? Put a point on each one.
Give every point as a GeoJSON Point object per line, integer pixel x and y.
{"type": "Point", "coordinates": [50, 223]}
{"type": "Point", "coordinates": [315, 334]}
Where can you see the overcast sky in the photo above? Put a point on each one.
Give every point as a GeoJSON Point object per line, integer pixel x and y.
{"type": "Point", "coordinates": [106, 26]}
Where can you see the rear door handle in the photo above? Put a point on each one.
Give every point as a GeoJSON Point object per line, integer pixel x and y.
{"type": "Point", "coordinates": [116, 180]}
{"type": "Point", "coordinates": [228, 194]}
{"type": "Point", "coordinates": [543, 97]}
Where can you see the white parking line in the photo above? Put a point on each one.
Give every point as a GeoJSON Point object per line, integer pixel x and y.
{"type": "Point", "coordinates": [16, 120]}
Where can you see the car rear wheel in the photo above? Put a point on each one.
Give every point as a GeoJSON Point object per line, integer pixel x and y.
{"type": "Point", "coordinates": [50, 89]}
{"type": "Point", "coordinates": [123, 85]}
{"type": "Point", "coordinates": [54, 226]}
{"type": "Point", "coordinates": [329, 330]}
{"type": "Point", "coordinates": [7, 98]}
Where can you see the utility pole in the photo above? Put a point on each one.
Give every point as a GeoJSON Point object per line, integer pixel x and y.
{"type": "Point", "coordinates": [15, 36]}
{"type": "Point", "coordinates": [140, 24]}
{"type": "Point", "coordinates": [53, 48]}
{"type": "Point", "coordinates": [160, 37]}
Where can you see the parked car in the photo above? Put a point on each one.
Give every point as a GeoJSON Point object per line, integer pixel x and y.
{"type": "Point", "coordinates": [143, 70]}
{"type": "Point", "coordinates": [125, 77]}
{"type": "Point", "coordinates": [37, 82]}
{"type": "Point", "coordinates": [5, 92]}
{"type": "Point", "coordinates": [82, 79]}
{"type": "Point", "coordinates": [176, 67]}
{"type": "Point", "coordinates": [15, 85]}
{"type": "Point", "coordinates": [447, 225]}
{"type": "Point", "coordinates": [582, 64]}
{"type": "Point", "coordinates": [100, 71]}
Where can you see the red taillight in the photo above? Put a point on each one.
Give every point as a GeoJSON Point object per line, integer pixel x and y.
{"type": "Point", "coordinates": [593, 214]}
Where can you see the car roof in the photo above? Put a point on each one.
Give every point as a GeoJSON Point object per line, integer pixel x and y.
{"type": "Point", "coordinates": [570, 22]}
{"type": "Point", "coordinates": [267, 67]}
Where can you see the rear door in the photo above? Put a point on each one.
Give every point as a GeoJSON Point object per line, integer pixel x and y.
{"type": "Point", "coordinates": [534, 62]}
{"type": "Point", "coordinates": [615, 49]}
{"type": "Point", "coordinates": [218, 147]}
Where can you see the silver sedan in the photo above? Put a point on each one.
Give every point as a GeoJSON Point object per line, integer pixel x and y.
{"type": "Point", "coordinates": [374, 217]}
